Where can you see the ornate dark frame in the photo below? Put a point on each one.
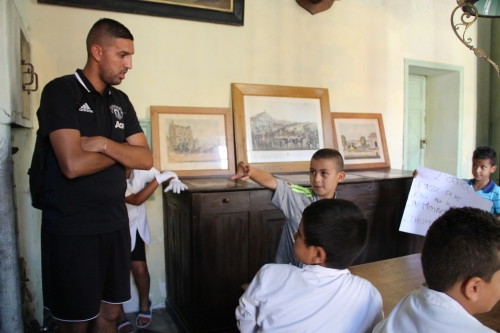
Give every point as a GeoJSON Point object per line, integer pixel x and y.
{"type": "Point", "coordinates": [160, 9]}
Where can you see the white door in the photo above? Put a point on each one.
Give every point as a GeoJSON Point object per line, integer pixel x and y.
{"type": "Point", "coordinates": [416, 122]}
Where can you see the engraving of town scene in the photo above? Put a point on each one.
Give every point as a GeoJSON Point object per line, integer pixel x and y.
{"type": "Point", "coordinates": [359, 139]}
{"type": "Point", "coordinates": [194, 138]}
{"type": "Point", "coordinates": [272, 133]}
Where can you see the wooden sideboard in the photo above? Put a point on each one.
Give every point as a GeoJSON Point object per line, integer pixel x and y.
{"type": "Point", "coordinates": [218, 233]}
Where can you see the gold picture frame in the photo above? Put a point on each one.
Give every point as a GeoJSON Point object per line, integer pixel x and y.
{"type": "Point", "coordinates": [193, 141]}
{"type": "Point", "coordinates": [360, 138]}
{"type": "Point", "coordinates": [278, 128]}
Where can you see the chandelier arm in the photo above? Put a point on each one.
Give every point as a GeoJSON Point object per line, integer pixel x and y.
{"type": "Point", "coordinates": [464, 18]}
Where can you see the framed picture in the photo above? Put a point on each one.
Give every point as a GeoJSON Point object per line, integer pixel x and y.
{"type": "Point", "coordinates": [360, 138]}
{"type": "Point", "coordinates": [278, 128]}
{"type": "Point", "coordinates": [193, 142]}
{"type": "Point", "coordinates": [220, 11]}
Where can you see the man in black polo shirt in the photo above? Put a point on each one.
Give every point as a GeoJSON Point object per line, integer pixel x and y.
{"type": "Point", "coordinates": [92, 133]}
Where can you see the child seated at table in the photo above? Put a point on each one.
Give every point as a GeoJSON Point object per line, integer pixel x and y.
{"type": "Point", "coordinates": [322, 296]}
{"type": "Point", "coordinates": [461, 265]}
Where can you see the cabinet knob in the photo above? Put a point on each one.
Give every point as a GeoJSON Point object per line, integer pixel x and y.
{"type": "Point", "coordinates": [225, 200]}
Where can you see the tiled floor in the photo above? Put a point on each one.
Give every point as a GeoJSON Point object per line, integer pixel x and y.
{"type": "Point", "coordinates": [162, 322]}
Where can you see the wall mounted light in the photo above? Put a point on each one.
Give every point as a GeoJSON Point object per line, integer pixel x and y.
{"type": "Point", "coordinates": [471, 11]}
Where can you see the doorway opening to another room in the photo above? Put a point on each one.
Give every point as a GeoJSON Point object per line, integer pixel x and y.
{"type": "Point", "coordinates": [433, 116]}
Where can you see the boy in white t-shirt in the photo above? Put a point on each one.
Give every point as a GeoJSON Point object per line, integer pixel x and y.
{"type": "Point", "coordinates": [140, 185]}
{"type": "Point", "coordinates": [461, 264]}
{"type": "Point", "coordinates": [322, 296]}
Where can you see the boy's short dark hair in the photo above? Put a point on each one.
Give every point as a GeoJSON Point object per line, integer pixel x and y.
{"type": "Point", "coordinates": [339, 227]}
{"type": "Point", "coordinates": [461, 244]}
{"type": "Point", "coordinates": [106, 28]}
{"type": "Point", "coordinates": [329, 153]}
{"type": "Point", "coordinates": [485, 152]}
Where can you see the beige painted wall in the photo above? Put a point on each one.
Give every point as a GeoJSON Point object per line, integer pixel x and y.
{"type": "Point", "coordinates": [356, 50]}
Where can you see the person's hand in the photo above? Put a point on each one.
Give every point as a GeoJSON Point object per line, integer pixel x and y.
{"type": "Point", "coordinates": [165, 175]}
{"type": "Point", "coordinates": [243, 171]}
{"type": "Point", "coordinates": [176, 186]}
{"type": "Point", "coordinates": [94, 144]}
{"type": "Point", "coordinates": [415, 173]}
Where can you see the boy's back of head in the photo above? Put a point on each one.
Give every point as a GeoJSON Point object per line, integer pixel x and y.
{"type": "Point", "coordinates": [461, 244]}
{"type": "Point", "coordinates": [485, 153]}
{"type": "Point", "coordinates": [329, 153]}
{"type": "Point", "coordinates": [339, 227]}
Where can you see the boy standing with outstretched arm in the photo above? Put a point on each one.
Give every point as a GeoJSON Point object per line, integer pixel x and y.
{"type": "Point", "coordinates": [325, 172]}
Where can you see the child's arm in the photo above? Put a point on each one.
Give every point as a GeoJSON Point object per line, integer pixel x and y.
{"type": "Point", "coordinates": [261, 177]}
{"type": "Point", "coordinates": [140, 197]}
{"type": "Point", "coordinates": [167, 176]}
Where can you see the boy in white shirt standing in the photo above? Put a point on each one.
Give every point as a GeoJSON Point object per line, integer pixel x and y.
{"type": "Point", "coordinates": [140, 186]}
{"type": "Point", "coordinates": [322, 296]}
{"type": "Point", "coordinates": [461, 264]}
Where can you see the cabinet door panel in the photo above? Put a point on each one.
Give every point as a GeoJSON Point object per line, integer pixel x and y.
{"type": "Point", "coordinates": [266, 227]}
{"type": "Point", "coordinates": [380, 201]}
{"type": "Point", "coordinates": [221, 266]}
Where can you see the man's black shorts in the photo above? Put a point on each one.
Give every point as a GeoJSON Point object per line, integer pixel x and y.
{"type": "Point", "coordinates": [81, 271]}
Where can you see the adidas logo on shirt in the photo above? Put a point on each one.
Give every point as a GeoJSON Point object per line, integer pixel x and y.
{"type": "Point", "coordinates": [86, 108]}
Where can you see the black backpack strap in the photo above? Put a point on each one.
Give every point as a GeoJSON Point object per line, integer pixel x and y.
{"type": "Point", "coordinates": [38, 166]}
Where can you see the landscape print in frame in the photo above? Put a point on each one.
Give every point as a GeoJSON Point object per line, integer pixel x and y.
{"type": "Point", "coordinates": [278, 128]}
{"type": "Point", "coordinates": [193, 141]}
{"type": "Point", "coordinates": [360, 138]}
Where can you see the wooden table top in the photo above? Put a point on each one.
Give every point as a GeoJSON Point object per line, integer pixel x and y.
{"type": "Point", "coordinates": [397, 277]}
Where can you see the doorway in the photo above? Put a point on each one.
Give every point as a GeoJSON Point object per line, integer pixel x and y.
{"type": "Point", "coordinates": [433, 116]}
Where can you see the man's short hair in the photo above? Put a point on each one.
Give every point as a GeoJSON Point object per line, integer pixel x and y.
{"type": "Point", "coordinates": [106, 28]}
{"type": "Point", "coordinates": [461, 244]}
{"type": "Point", "coordinates": [339, 227]}
{"type": "Point", "coordinates": [485, 152]}
{"type": "Point", "coordinates": [329, 153]}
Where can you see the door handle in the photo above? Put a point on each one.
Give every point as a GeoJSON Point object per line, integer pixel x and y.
{"type": "Point", "coordinates": [33, 77]}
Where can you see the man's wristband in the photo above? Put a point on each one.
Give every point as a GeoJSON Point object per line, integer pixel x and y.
{"type": "Point", "coordinates": [104, 149]}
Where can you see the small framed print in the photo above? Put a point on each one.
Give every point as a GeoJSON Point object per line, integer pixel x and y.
{"type": "Point", "coordinates": [360, 138]}
{"type": "Point", "coordinates": [193, 141]}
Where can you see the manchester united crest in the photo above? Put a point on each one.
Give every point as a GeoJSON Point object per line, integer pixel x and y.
{"type": "Point", "coordinates": [117, 111]}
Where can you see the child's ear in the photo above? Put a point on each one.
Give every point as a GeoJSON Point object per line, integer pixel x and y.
{"type": "Point", "coordinates": [493, 168]}
{"type": "Point", "coordinates": [319, 255]}
{"type": "Point", "coordinates": [471, 288]}
{"type": "Point", "coordinates": [341, 176]}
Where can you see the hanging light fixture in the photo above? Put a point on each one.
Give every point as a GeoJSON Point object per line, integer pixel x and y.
{"type": "Point", "coordinates": [472, 10]}
{"type": "Point", "coordinates": [485, 8]}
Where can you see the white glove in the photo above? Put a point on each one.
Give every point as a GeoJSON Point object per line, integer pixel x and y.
{"type": "Point", "coordinates": [176, 186]}
{"type": "Point", "coordinates": [164, 176]}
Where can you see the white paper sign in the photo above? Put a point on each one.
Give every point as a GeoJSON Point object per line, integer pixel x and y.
{"type": "Point", "coordinates": [432, 193]}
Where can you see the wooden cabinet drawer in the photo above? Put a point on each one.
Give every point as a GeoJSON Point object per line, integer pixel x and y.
{"type": "Point", "coordinates": [224, 202]}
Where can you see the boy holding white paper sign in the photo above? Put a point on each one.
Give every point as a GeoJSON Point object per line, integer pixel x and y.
{"type": "Point", "coordinates": [484, 160]}
{"type": "Point", "coordinates": [431, 194]}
